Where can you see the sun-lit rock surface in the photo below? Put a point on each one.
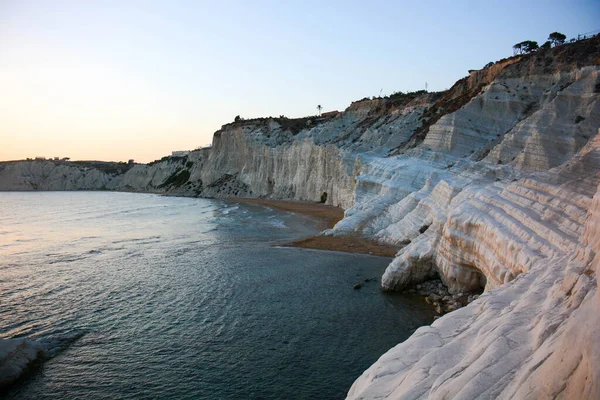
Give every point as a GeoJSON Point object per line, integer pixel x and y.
{"type": "Point", "coordinates": [530, 335]}
{"type": "Point", "coordinates": [492, 184]}
{"type": "Point", "coordinates": [297, 170]}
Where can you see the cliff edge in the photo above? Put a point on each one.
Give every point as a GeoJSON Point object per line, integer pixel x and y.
{"type": "Point", "coordinates": [492, 185]}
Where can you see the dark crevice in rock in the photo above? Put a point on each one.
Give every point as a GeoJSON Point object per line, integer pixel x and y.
{"type": "Point", "coordinates": [437, 294]}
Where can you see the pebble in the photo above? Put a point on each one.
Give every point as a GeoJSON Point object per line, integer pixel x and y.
{"type": "Point", "coordinates": [437, 295]}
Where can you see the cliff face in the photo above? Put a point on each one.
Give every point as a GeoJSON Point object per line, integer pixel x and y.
{"type": "Point", "coordinates": [310, 159]}
{"type": "Point", "coordinates": [298, 169]}
{"type": "Point", "coordinates": [534, 332]}
{"type": "Point", "coordinates": [50, 175]}
{"type": "Point", "coordinates": [492, 184]}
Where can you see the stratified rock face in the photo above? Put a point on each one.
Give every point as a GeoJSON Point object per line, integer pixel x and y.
{"type": "Point", "coordinates": [569, 111]}
{"type": "Point", "coordinates": [492, 184]}
{"type": "Point", "coordinates": [529, 238]}
{"type": "Point", "coordinates": [298, 170]}
{"type": "Point", "coordinates": [50, 175]}
{"type": "Point", "coordinates": [533, 337]}
{"type": "Point", "coordinates": [463, 213]}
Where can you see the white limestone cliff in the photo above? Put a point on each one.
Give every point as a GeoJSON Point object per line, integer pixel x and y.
{"type": "Point", "coordinates": [493, 184]}
{"type": "Point", "coordinates": [50, 175]}
{"type": "Point", "coordinates": [534, 332]}
{"type": "Point", "coordinates": [299, 170]}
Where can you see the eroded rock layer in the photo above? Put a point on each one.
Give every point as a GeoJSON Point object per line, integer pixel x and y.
{"type": "Point", "coordinates": [492, 184]}
{"type": "Point", "coordinates": [534, 332]}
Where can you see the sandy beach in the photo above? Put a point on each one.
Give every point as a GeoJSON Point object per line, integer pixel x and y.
{"type": "Point", "coordinates": [329, 216]}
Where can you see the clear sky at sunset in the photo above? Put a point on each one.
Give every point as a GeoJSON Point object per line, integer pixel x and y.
{"type": "Point", "coordinates": [114, 80]}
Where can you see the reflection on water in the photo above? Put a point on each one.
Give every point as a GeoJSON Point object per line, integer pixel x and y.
{"type": "Point", "coordinates": [187, 298]}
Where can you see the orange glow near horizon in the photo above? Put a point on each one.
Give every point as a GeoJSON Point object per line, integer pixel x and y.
{"type": "Point", "coordinates": [118, 80]}
{"type": "Point", "coordinates": [88, 111]}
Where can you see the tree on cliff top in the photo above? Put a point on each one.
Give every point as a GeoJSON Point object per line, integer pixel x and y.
{"type": "Point", "coordinates": [530, 46]}
{"type": "Point", "coordinates": [518, 48]}
{"type": "Point", "coordinates": [525, 47]}
{"type": "Point", "coordinates": [557, 38]}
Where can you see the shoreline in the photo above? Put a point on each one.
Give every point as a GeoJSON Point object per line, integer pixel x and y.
{"type": "Point", "coordinates": [328, 217]}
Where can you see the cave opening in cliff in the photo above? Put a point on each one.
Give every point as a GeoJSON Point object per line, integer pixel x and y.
{"type": "Point", "coordinates": [324, 197]}
{"type": "Point", "coordinates": [482, 282]}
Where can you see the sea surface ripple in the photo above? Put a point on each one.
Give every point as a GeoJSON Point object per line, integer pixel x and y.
{"type": "Point", "coordinates": [165, 297]}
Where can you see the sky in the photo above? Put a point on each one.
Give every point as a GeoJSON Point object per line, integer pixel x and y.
{"type": "Point", "coordinates": [127, 79]}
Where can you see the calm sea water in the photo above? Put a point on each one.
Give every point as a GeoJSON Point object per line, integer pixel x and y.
{"type": "Point", "coordinates": [164, 297]}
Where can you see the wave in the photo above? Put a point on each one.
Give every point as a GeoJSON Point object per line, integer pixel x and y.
{"type": "Point", "coordinates": [276, 222]}
{"type": "Point", "coordinates": [228, 210]}
{"type": "Point", "coordinates": [145, 240]}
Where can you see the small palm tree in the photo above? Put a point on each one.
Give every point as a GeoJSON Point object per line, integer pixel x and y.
{"type": "Point", "coordinates": [319, 108]}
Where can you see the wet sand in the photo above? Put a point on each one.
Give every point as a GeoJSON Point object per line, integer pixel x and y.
{"type": "Point", "coordinates": [329, 216]}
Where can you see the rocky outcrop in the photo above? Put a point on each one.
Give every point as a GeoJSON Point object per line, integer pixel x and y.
{"type": "Point", "coordinates": [490, 185]}
{"type": "Point", "coordinates": [16, 355]}
{"type": "Point", "coordinates": [298, 169]}
{"type": "Point", "coordinates": [536, 336]}
{"type": "Point", "coordinates": [524, 235]}
{"type": "Point", "coordinates": [50, 175]}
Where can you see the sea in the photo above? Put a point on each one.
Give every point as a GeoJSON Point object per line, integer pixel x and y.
{"type": "Point", "coordinates": [142, 296]}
